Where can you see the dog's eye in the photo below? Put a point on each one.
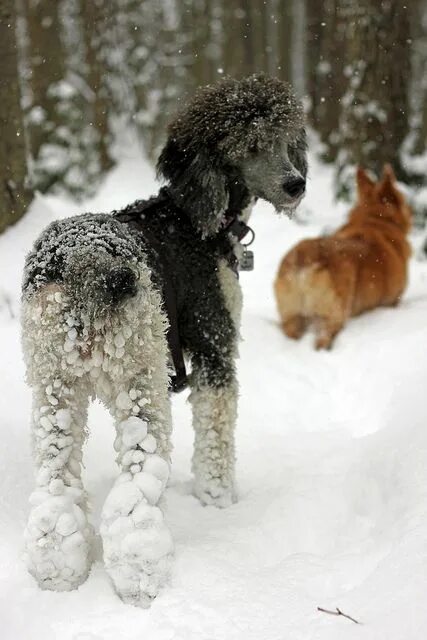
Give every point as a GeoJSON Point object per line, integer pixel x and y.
{"type": "Point", "coordinates": [253, 148]}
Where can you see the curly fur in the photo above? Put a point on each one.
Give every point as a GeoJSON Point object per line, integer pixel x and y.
{"type": "Point", "coordinates": [233, 117]}
{"type": "Point", "coordinates": [222, 125]}
{"type": "Point", "coordinates": [65, 253]}
{"type": "Point", "coordinates": [93, 324]}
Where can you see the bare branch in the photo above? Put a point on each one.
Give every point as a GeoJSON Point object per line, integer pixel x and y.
{"type": "Point", "coordinates": [338, 612]}
{"type": "Point", "coordinates": [4, 297]}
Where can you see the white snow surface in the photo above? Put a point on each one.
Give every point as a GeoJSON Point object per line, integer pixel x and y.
{"type": "Point", "coordinates": [332, 467]}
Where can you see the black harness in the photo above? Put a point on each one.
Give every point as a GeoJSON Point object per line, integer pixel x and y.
{"type": "Point", "coordinates": [232, 232]}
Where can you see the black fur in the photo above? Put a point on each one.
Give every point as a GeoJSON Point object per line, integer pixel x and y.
{"type": "Point", "coordinates": [205, 326]}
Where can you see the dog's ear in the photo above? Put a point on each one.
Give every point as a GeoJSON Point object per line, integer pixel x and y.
{"type": "Point", "coordinates": [388, 172]}
{"type": "Point", "coordinates": [387, 191]}
{"type": "Point", "coordinates": [365, 184]}
{"type": "Point", "coordinates": [389, 194]}
{"type": "Point", "coordinates": [197, 185]}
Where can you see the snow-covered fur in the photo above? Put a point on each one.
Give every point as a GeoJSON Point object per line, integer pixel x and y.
{"type": "Point", "coordinates": [227, 133]}
{"type": "Point", "coordinates": [93, 324]}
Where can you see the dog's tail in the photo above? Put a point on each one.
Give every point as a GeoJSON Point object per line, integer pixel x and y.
{"type": "Point", "coordinates": [99, 283]}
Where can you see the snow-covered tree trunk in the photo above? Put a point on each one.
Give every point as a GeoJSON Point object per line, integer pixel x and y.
{"type": "Point", "coordinates": [14, 194]}
{"type": "Point", "coordinates": [150, 65]}
{"type": "Point", "coordinates": [66, 115]}
{"type": "Point", "coordinates": [96, 18]}
{"type": "Point", "coordinates": [46, 60]}
{"type": "Point", "coordinates": [173, 74]}
{"type": "Point", "coordinates": [374, 108]}
{"type": "Point", "coordinates": [413, 157]}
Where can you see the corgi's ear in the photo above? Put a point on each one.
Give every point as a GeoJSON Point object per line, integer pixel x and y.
{"type": "Point", "coordinates": [388, 173]}
{"type": "Point", "coordinates": [365, 184]}
{"type": "Point", "coordinates": [387, 190]}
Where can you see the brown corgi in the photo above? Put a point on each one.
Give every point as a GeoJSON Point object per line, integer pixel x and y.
{"type": "Point", "coordinates": [324, 281]}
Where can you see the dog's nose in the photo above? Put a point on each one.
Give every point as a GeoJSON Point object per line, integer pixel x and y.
{"type": "Point", "coordinates": [295, 187]}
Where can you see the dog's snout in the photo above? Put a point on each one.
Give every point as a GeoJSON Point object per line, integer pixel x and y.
{"type": "Point", "coordinates": [295, 187]}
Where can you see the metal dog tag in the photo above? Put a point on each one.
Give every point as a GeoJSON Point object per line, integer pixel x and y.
{"type": "Point", "coordinates": [246, 262]}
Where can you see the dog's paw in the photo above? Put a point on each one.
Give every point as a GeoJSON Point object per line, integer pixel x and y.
{"type": "Point", "coordinates": [137, 545]}
{"type": "Point", "coordinates": [213, 494]}
{"type": "Point", "coordinates": [136, 580]}
{"type": "Point", "coordinates": [58, 538]}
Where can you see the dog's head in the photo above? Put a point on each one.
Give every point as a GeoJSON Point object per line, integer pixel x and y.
{"type": "Point", "coordinates": [382, 199]}
{"type": "Point", "coordinates": [250, 132]}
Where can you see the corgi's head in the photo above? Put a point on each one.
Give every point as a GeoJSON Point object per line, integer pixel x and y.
{"type": "Point", "coordinates": [383, 199]}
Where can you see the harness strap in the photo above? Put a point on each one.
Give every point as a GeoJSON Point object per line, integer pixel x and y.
{"type": "Point", "coordinates": [179, 381]}
{"type": "Point", "coordinates": [135, 215]}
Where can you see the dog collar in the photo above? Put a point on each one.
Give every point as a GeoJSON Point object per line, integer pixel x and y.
{"type": "Point", "coordinates": [237, 254]}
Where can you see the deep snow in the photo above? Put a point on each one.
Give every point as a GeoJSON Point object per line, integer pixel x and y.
{"type": "Point", "coordinates": [332, 473]}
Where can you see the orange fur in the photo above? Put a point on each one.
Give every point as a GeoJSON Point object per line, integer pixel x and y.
{"type": "Point", "coordinates": [324, 281]}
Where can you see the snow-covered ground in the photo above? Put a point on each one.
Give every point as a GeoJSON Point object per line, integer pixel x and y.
{"type": "Point", "coordinates": [332, 469]}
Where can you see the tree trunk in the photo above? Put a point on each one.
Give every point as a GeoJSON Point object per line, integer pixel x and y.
{"type": "Point", "coordinates": [238, 37]}
{"type": "Point", "coordinates": [298, 21]}
{"type": "Point", "coordinates": [285, 27]}
{"type": "Point", "coordinates": [327, 26]}
{"type": "Point", "coordinates": [14, 194]}
{"type": "Point", "coordinates": [374, 108]}
{"type": "Point", "coordinates": [417, 140]}
{"type": "Point", "coordinates": [46, 60]}
{"type": "Point", "coordinates": [201, 70]}
{"type": "Point", "coordinates": [96, 16]}
{"type": "Point", "coordinates": [271, 30]}
{"type": "Point", "coordinates": [313, 46]}
{"type": "Point", "coordinates": [216, 55]}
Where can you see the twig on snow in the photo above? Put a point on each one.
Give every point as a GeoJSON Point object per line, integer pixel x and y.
{"type": "Point", "coordinates": [8, 304]}
{"type": "Point", "coordinates": [338, 612]}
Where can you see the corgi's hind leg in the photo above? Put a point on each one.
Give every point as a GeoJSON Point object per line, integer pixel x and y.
{"type": "Point", "coordinates": [294, 326]}
{"type": "Point", "coordinates": [333, 303]}
{"type": "Point", "coordinates": [325, 330]}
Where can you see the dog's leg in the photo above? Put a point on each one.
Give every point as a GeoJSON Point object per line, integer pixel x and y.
{"type": "Point", "coordinates": [214, 418]}
{"type": "Point", "coordinates": [325, 331]}
{"type": "Point", "coordinates": [214, 399]}
{"type": "Point", "coordinates": [58, 534]}
{"type": "Point", "coordinates": [294, 326]}
{"type": "Point", "coordinates": [137, 543]}
{"type": "Point", "coordinates": [136, 540]}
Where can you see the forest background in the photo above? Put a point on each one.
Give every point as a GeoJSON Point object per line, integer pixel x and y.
{"type": "Point", "coordinates": [75, 73]}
